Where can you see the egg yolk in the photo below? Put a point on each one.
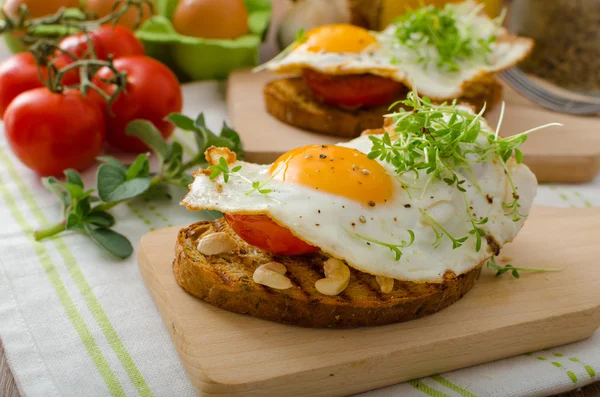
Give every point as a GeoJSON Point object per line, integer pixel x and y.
{"type": "Point", "coordinates": [338, 38]}
{"type": "Point", "coordinates": [337, 170]}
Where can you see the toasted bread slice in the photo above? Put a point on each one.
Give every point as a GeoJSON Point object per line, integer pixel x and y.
{"type": "Point", "coordinates": [226, 281]}
{"type": "Point", "coordinates": [291, 101]}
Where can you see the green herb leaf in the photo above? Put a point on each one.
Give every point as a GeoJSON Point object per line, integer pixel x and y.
{"type": "Point", "coordinates": [111, 160]}
{"type": "Point", "coordinates": [73, 177]}
{"type": "Point", "coordinates": [139, 167]}
{"type": "Point", "coordinates": [100, 218]}
{"type": "Point", "coordinates": [53, 186]}
{"type": "Point", "coordinates": [149, 134]}
{"type": "Point", "coordinates": [111, 241]}
{"type": "Point", "coordinates": [181, 121]}
{"type": "Point", "coordinates": [114, 186]}
{"type": "Point", "coordinates": [73, 221]}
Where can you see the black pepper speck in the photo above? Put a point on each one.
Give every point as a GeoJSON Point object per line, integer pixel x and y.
{"type": "Point", "coordinates": [407, 205]}
{"type": "Point", "coordinates": [322, 156]}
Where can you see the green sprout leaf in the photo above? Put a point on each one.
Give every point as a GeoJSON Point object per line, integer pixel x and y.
{"type": "Point", "coordinates": [500, 270]}
{"type": "Point", "coordinates": [394, 248]}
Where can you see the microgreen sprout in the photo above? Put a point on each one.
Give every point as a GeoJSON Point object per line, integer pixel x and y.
{"type": "Point", "coordinates": [440, 231]}
{"type": "Point", "coordinates": [395, 248]}
{"type": "Point", "coordinates": [222, 168]}
{"type": "Point", "coordinates": [446, 36]}
{"type": "Point", "coordinates": [500, 270]}
{"type": "Point", "coordinates": [444, 141]}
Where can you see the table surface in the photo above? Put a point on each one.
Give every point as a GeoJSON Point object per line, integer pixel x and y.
{"type": "Point", "coordinates": [8, 386]}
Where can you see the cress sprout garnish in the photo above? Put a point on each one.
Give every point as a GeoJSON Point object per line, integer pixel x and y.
{"type": "Point", "coordinates": [446, 36]}
{"type": "Point", "coordinates": [443, 141]}
{"type": "Point", "coordinates": [395, 248]}
{"type": "Point", "coordinates": [222, 168]}
{"type": "Point", "coordinates": [500, 270]}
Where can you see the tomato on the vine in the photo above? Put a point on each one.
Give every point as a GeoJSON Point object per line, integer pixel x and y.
{"type": "Point", "coordinates": [352, 91]}
{"type": "Point", "coordinates": [117, 41]}
{"type": "Point", "coordinates": [50, 132]}
{"type": "Point", "coordinates": [18, 74]}
{"type": "Point", "coordinates": [152, 93]}
{"type": "Point", "coordinates": [262, 232]}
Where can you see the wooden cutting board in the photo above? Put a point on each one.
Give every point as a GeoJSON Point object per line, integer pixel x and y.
{"type": "Point", "coordinates": [229, 354]}
{"type": "Point", "coordinates": [566, 154]}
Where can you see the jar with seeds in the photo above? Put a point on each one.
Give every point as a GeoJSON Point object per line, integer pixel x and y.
{"type": "Point", "coordinates": [567, 41]}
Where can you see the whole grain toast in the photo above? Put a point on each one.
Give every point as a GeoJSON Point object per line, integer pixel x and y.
{"type": "Point", "coordinates": [225, 281]}
{"type": "Point", "coordinates": [290, 100]}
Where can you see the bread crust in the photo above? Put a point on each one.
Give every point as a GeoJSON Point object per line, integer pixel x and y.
{"type": "Point", "coordinates": [290, 101]}
{"type": "Point", "coordinates": [226, 281]}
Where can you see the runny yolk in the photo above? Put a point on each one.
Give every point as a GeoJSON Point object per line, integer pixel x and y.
{"type": "Point", "coordinates": [337, 170]}
{"type": "Point", "coordinates": [338, 38]}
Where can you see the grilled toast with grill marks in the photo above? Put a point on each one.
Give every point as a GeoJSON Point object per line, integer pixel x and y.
{"type": "Point", "coordinates": [290, 101]}
{"type": "Point", "coordinates": [226, 281]}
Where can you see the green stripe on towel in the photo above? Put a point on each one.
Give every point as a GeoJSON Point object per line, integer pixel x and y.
{"type": "Point", "coordinates": [87, 338]}
{"type": "Point", "coordinates": [445, 382]}
{"type": "Point", "coordinates": [84, 288]}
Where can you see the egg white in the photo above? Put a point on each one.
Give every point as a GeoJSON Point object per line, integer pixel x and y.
{"type": "Point", "coordinates": [390, 59]}
{"type": "Point", "coordinates": [331, 222]}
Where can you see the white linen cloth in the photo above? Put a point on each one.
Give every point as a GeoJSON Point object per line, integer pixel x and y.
{"type": "Point", "coordinates": [76, 322]}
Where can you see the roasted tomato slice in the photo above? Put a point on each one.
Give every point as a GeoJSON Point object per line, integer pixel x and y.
{"type": "Point", "coordinates": [260, 231]}
{"type": "Point", "coordinates": [353, 90]}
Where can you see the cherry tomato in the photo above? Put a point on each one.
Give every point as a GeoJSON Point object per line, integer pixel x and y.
{"type": "Point", "coordinates": [152, 93]}
{"type": "Point", "coordinates": [352, 91]}
{"type": "Point", "coordinates": [19, 74]}
{"type": "Point", "coordinates": [107, 40]}
{"type": "Point", "coordinates": [129, 19]}
{"type": "Point", "coordinates": [37, 8]}
{"type": "Point", "coordinates": [51, 132]}
{"type": "Point", "coordinates": [262, 232]}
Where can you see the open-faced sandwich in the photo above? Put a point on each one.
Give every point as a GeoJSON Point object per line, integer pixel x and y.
{"type": "Point", "coordinates": [388, 227]}
{"type": "Point", "coordinates": [345, 77]}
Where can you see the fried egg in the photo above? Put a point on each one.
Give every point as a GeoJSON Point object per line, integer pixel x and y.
{"type": "Point", "coordinates": [346, 49]}
{"type": "Point", "coordinates": [351, 206]}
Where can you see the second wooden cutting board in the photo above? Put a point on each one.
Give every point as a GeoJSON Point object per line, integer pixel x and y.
{"type": "Point", "coordinates": [558, 154]}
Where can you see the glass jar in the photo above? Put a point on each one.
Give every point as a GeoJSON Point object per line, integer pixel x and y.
{"type": "Point", "coordinates": [567, 41]}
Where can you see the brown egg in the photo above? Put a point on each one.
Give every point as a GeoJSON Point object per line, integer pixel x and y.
{"type": "Point", "coordinates": [211, 19]}
{"type": "Point", "coordinates": [130, 19]}
{"type": "Point", "coordinates": [37, 8]}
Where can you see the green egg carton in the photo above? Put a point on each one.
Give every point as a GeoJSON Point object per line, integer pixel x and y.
{"type": "Point", "coordinates": [194, 58]}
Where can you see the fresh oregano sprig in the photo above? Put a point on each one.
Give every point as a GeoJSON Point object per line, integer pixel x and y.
{"type": "Point", "coordinates": [86, 210]}
{"type": "Point", "coordinates": [500, 270]}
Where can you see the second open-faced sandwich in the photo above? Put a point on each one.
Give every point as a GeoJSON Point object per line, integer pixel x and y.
{"type": "Point", "coordinates": [388, 227]}
{"type": "Point", "coordinates": [345, 77]}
